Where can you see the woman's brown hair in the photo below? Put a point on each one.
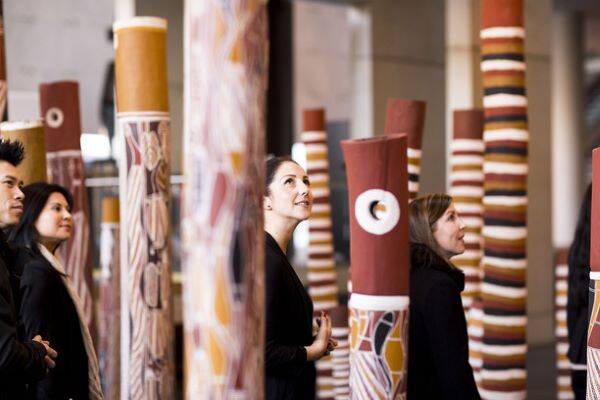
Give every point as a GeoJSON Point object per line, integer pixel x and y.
{"type": "Point", "coordinates": [423, 213]}
{"type": "Point", "coordinates": [272, 165]}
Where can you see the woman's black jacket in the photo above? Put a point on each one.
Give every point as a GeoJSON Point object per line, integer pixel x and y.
{"type": "Point", "coordinates": [47, 309]}
{"type": "Point", "coordinates": [288, 329]}
{"type": "Point", "coordinates": [438, 356]}
{"type": "Point", "coordinates": [579, 284]}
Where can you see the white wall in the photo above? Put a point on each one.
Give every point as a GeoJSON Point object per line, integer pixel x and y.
{"type": "Point", "coordinates": [56, 40]}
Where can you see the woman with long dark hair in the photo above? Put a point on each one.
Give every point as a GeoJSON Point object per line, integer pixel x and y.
{"type": "Point", "coordinates": [290, 348]}
{"type": "Point", "coordinates": [438, 362]}
{"type": "Point", "coordinates": [49, 304]}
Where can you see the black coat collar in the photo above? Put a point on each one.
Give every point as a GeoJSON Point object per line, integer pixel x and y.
{"type": "Point", "coordinates": [421, 256]}
{"type": "Point", "coordinates": [272, 243]}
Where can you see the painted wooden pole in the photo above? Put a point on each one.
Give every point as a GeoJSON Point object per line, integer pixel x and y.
{"type": "Point", "coordinates": [31, 134]}
{"type": "Point", "coordinates": [321, 265]}
{"type": "Point", "coordinates": [506, 138]}
{"type": "Point", "coordinates": [109, 318]}
{"type": "Point", "coordinates": [226, 69]}
{"type": "Point", "coordinates": [340, 355]}
{"type": "Point", "coordinates": [593, 344]}
{"type": "Point", "coordinates": [466, 188]}
{"type": "Point", "coordinates": [561, 286]}
{"type": "Point", "coordinates": [143, 120]}
{"type": "Point", "coordinates": [59, 104]}
{"type": "Point", "coordinates": [408, 116]}
{"type": "Point", "coordinates": [378, 198]}
{"type": "Point", "coordinates": [3, 81]}
{"type": "Point", "coordinates": [322, 278]}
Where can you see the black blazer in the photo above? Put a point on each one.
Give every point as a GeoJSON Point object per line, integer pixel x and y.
{"type": "Point", "coordinates": [47, 309]}
{"type": "Point", "coordinates": [579, 284]}
{"type": "Point", "coordinates": [20, 362]}
{"type": "Point", "coordinates": [288, 329]}
{"type": "Point", "coordinates": [438, 355]}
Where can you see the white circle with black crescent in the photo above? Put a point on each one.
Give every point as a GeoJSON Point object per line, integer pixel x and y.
{"type": "Point", "coordinates": [54, 117]}
{"type": "Point", "coordinates": [377, 211]}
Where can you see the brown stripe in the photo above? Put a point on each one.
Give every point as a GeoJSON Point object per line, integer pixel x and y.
{"type": "Point", "coordinates": [488, 47]}
{"type": "Point", "coordinates": [490, 126]}
{"type": "Point", "coordinates": [497, 80]}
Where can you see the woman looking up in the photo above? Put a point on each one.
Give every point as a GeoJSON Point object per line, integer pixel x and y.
{"type": "Point", "coordinates": [48, 300]}
{"type": "Point", "coordinates": [438, 362]}
{"type": "Point", "coordinates": [290, 348]}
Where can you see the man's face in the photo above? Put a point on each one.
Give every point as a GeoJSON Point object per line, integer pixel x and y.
{"type": "Point", "coordinates": [11, 196]}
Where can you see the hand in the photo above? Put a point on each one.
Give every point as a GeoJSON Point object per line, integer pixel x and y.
{"type": "Point", "coordinates": [331, 345]}
{"type": "Point", "coordinates": [51, 354]}
{"type": "Point", "coordinates": [319, 346]}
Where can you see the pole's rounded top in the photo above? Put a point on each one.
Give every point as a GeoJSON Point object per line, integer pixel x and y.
{"type": "Point", "coordinates": [140, 22]}
{"type": "Point", "coordinates": [21, 125]}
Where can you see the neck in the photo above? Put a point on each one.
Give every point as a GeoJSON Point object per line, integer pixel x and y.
{"type": "Point", "coordinates": [51, 247]}
{"type": "Point", "coordinates": [281, 229]}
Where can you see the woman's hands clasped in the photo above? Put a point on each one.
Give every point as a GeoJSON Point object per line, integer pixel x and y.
{"type": "Point", "coordinates": [323, 343]}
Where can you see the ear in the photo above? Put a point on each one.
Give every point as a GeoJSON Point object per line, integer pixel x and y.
{"type": "Point", "coordinates": [267, 203]}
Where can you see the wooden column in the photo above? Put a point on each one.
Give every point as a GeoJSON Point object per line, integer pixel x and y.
{"type": "Point", "coordinates": [59, 106]}
{"type": "Point", "coordinates": [144, 123]}
{"type": "Point", "coordinates": [466, 188]}
{"type": "Point", "coordinates": [593, 344]}
{"type": "Point", "coordinates": [340, 355]}
{"type": "Point", "coordinates": [561, 286]}
{"type": "Point", "coordinates": [322, 278]}
{"type": "Point", "coordinates": [223, 238]}
{"type": "Point", "coordinates": [3, 81]}
{"type": "Point", "coordinates": [378, 198]}
{"type": "Point", "coordinates": [109, 315]}
{"type": "Point", "coordinates": [506, 137]}
{"type": "Point", "coordinates": [408, 116]}
{"type": "Point", "coordinates": [31, 134]}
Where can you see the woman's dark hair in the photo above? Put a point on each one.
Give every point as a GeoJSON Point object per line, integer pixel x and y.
{"type": "Point", "coordinates": [273, 165]}
{"type": "Point", "coordinates": [36, 196]}
{"type": "Point", "coordinates": [423, 214]}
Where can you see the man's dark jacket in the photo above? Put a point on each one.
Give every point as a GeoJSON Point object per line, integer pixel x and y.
{"type": "Point", "coordinates": [438, 362]}
{"type": "Point", "coordinates": [19, 362]}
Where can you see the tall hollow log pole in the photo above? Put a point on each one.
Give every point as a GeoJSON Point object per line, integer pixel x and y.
{"type": "Point", "coordinates": [593, 342]}
{"type": "Point", "coordinates": [561, 288]}
{"type": "Point", "coordinates": [3, 80]}
{"type": "Point", "coordinates": [466, 188]}
{"type": "Point", "coordinates": [408, 116]}
{"type": "Point", "coordinates": [109, 314]}
{"type": "Point", "coordinates": [59, 106]}
{"type": "Point", "coordinates": [506, 138]}
{"type": "Point", "coordinates": [340, 355]}
{"type": "Point", "coordinates": [31, 134]}
{"type": "Point", "coordinates": [378, 198]}
{"type": "Point", "coordinates": [226, 69]}
{"type": "Point", "coordinates": [322, 278]}
{"type": "Point", "coordinates": [143, 120]}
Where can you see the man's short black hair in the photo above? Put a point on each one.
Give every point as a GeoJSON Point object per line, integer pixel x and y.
{"type": "Point", "coordinates": [12, 152]}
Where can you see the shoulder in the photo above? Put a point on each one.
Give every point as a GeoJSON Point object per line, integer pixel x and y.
{"type": "Point", "coordinates": [33, 265]}
{"type": "Point", "coordinates": [274, 257]}
{"type": "Point", "coordinates": [427, 266]}
{"type": "Point", "coordinates": [425, 280]}
{"type": "Point", "coordinates": [274, 266]}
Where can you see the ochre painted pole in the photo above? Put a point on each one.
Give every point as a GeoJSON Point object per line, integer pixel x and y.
{"type": "Point", "coordinates": [143, 121]}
